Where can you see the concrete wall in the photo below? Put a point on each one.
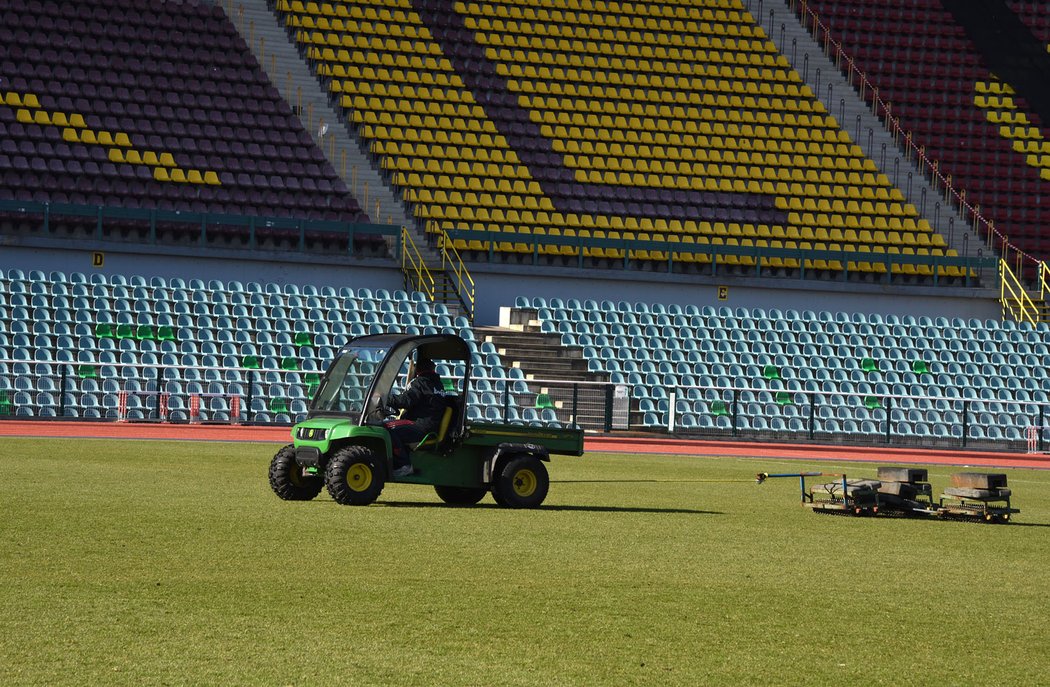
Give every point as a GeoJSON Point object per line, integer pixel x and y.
{"type": "Point", "coordinates": [499, 287]}
{"type": "Point", "coordinates": [225, 266]}
{"type": "Point", "coordinates": [495, 290]}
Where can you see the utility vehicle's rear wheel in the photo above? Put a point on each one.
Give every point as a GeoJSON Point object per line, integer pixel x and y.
{"type": "Point", "coordinates": [288, 480]}
{"type": "Point", "coordinates": [460, 496]}
{"type": "Point", "coordinates": [355, 476]}
{"type": "Point", "coordinates": [522, 483]}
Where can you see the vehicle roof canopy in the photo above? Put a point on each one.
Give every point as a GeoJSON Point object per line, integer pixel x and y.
{"type": "Point", "coordinates": [433, 346]}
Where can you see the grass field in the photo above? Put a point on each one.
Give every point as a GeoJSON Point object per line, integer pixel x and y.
{"type": "Point", "coordinates": [161, 563]}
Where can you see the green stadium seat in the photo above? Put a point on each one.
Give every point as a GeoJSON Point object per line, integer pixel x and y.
{"type": "Point", "coordinates": [771, 372]}
{"type": "Point", "coordinates": [289, 363]}
{"type": "Point", "coordinates": [869, 365]}
{"type": "Point", "coordinates": [544, 401]}
{"type": "Point", "coordinates": [87, 372]}
{"type": "Point", "coordinates": [303, 339]}
{"type": "Point", "coordinates": [104, 330]}
{"type": "Point", "coordinates": [251, 362]}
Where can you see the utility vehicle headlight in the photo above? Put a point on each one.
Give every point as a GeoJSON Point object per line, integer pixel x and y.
{"type": "Point", "coordinates": [312, 433]}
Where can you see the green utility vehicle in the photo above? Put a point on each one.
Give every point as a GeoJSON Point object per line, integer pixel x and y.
{"type": "Point", "coordinates": [345, 442]}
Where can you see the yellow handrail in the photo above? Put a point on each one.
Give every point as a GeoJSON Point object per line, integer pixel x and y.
{"type": "Point", "coordinates": [417, 275]}
{"type": "Point", "coordinates": [1014, 298]}
{"type": "Point", "coordinates": [464, 282]}
{"type": "Point", "coordinates": [1044, 281]}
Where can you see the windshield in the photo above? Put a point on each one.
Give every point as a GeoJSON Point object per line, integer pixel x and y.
{"type": "Point", "coordinates": [345, 386]}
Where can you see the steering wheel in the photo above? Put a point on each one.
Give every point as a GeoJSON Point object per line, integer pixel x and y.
{"type": "Point", "coordinates": [379, 409]}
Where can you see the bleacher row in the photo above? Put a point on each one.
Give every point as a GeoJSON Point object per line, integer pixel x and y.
{"type": "Point", "coordinates": [981, 133]}
{"type": "Point", "coordinates": [142, 103]}
{"type": "Point", "coordinates": [500, 117]}
{"type": "Point", "coordinates": [851, 369]}
{"type": "Point", "coordinates": [261, 342]}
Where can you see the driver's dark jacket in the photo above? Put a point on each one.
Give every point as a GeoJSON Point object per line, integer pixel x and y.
{"type": "Point", "coordinates": [423, 401]}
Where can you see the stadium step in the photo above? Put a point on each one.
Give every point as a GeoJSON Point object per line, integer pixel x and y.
{"type": "Point", "coordinates": [265, 35]}
{"type": "Point", "coordinates": [540, 356]}
{"type": "Point", "coordinates": [843, 102]}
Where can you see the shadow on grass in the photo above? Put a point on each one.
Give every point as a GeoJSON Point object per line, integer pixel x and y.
{"type": "Point", "coordinates": [1014, 523]}
{"type": "Point", "coordinates": [561, 507]}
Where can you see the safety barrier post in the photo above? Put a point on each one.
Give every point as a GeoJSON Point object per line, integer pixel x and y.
{"type": "Point", "coordinates": [62, 394]}
{"type": "Point", "coordinates": [575, 404]}
{"type": "Point", "coordinates": [195, 409]}
{"type": "Point", "coordinates": [506, 400]}
{"type": "Point", "coordinates": [122, 406]}
{"type": "Point", "coordinates": [733, 411]}
{"type": "Point", "coordinates": [965, 421]}
{"type": "Point", "coordinates": [251, 383]}
{"type": "Point", "coordinates": [812, 409]}
{"type": "Point", "coordinates": [162, 407]}
{"type": "Point", "coordinates": [889, 413]}
{"type": "Point", "coordinates": [160, 380]}
{"type": "Point", "coordinates": [235, 409]}
{"type": "Point", "coordinates": [1039, 430]}
{"type": "Point", "coordinates": [609, 391]}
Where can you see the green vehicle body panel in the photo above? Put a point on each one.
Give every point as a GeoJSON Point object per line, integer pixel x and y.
{"type": "Point", "coordinates": [463, 467]}
{"type": "Point", "coordinates": [340, 432]}
{"type": "Point", "coordinates": [557, 440]}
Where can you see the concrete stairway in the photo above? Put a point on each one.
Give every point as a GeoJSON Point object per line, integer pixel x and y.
{"type": "Point", "coordinates": [293, 77]}
{"type": "Point", "coordinates": [865, 129]}
{"type": "Point", "coordinates": [540, 356]}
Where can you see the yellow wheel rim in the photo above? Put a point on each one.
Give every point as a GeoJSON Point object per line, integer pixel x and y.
{"type": "Point", "coordinates": [359, 477]}
{"type": "Point", "coordinates": [525, 482]}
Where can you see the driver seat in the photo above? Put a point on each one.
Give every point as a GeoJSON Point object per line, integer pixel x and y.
{"type": "Point", "coordinates": [440, 438]}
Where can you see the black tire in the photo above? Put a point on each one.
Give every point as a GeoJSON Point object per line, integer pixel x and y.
{"type": "Point", "coordinates": [522, 483]}
{"type": "Point", "coordinates": [460, 496]}
{"type": "Point", "coordinates": [355, 476]}
{"type": "Point", "coordinates": [287, 479]}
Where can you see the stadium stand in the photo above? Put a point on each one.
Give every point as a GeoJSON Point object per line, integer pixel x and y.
{"type": "Point", "coordinates": [149, 104]}
{"type": "Point", "coordinates": [809, 372]}
{"type": "Point", "coordinates": [982, 133]}
{"type": "Point", "coordinates": [70, 344]}
{"type": "Point", "coordinates": [671, 122]}
{"type": "Point", "coordinates": [670, 132]}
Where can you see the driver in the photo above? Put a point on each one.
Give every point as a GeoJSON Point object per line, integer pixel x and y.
{"type": "Point", "coordinates": [424, 404]}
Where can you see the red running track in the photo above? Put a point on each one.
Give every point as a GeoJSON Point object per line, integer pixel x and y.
{"type": "Point", "coordinates": [612, 444]}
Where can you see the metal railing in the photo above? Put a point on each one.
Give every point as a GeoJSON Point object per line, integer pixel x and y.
{"type": "Point", "coordinates": [151, 222]}
{"type": "Point", "coordinates": [982, 226]}
{"type": "Point", "coordinates": [861, 416]}
{"type": "Point", "coordinates": [418, 276]}
{"type": "Point", "coordinates": [462, 281]}
{"type": "Point", "coordinates": [1015, 300]}
{"type": "Point", "coordinates": [630, 252]}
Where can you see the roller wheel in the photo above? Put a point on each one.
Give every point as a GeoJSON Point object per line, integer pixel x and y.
{"type": "Point", "coordinates": [460, 496]}
{"type": "Point", "coordinates": [355, 476]}
{"type": "Point", "coordinates": [288, 480]}
{"type": "Point", "coordinates": [522, 483]}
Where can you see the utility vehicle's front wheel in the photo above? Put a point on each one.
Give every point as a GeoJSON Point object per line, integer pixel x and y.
{"type": "Point", "coordinates": [522, 483]}
{"type": "Point", "coordinates": [288, 480]}
{"type": "Point", "coordinates": [355, 476]}
{"type": "Point", "coordinates": [460, 496]}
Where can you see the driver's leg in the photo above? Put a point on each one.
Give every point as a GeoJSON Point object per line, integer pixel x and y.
{"type": "Point", "coordinates": [403, 436]}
